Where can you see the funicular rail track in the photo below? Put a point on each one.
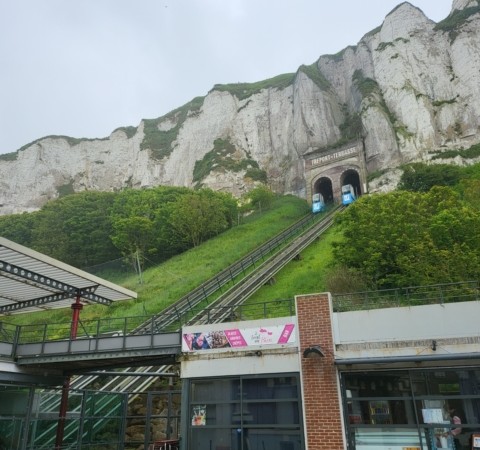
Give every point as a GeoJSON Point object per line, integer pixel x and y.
{"type": "Point", "coordinates": [224, 306]}
{"type": "Point", "coordinates": [171, 314]}
{"type": "Point", "coordinates": [165, 318]}
{"type": "Point", "coordinates": [180, 312]}
{"type": "Point", "coordinates": [284, 247]}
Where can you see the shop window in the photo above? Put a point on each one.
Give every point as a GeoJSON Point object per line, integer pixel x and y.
{"type": "Point", "coordinates": [245, 413]}
{"type": "Point", "coordinates": [412, 409]}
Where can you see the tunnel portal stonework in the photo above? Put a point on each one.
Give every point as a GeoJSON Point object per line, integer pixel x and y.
{"type": "Point", "coordinates": [326, 172]}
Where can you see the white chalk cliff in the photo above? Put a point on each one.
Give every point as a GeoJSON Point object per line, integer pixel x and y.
{"type": "Point", "coordinates": [409, 88]}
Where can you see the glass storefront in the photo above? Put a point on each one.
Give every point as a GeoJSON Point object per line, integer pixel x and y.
{"type": "Point", "coordinates": [29, 419]}
{"type": "Point", "coordinates": [411, 409]}
{"type": "Point", "coordinates": [245, 413]}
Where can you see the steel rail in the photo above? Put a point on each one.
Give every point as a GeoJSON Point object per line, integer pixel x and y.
{"type": "Point", "coordinates": [232, 298]}
{"type": "Point", "coordinates": [251, 283]}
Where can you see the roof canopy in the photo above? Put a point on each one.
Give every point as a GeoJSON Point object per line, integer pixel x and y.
{"type": "Point", "coordinates": [31, 281]}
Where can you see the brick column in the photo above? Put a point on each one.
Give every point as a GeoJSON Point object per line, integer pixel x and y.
{"type": "Point", "coordinates": [321, 399]}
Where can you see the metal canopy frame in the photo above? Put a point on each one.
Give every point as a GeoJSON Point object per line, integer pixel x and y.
{"type": "Point", "coordinates": [31, 281]}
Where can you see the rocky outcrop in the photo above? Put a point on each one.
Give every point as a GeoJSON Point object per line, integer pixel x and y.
{"type": "Point", "coordinates": [408, 88]}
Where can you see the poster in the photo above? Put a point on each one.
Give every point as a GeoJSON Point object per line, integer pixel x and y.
{"type": "Point", "coordinates": [476, 441]}
{"type": "Point", "coordinates": [239, 338]}
{"type": "Point", "coordinates": [199, 415]}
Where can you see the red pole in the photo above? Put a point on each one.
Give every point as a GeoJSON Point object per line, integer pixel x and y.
{"type": "Point", "coordinates": [62, 415]}
{"type": "Point", "coordinates": [76, 307]}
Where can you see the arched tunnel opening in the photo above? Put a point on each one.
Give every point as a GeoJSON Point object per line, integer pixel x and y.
{"type": "Point", "coordinates": [323, 186]}
{"type": "Point", "coordinates": [353, 178]}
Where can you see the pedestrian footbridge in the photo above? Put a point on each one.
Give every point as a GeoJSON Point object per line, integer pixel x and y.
{"type": "Point", "coordinates": [44, 347]}
{"type": "Point", "coordinates": [31, 281]}
{"type": "Point", "coordinates": [87, 353]}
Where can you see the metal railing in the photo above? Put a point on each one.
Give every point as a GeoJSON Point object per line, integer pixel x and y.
{"type": "Point", "coordinates": [409, 296]}
{"type": "Point", "coordinates": [121, 327]}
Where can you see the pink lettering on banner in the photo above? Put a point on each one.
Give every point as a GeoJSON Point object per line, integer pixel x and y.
{"type": "Point", "coordinates": [286, 333]}
{"type": "Point", "coordinates": [235, 338]}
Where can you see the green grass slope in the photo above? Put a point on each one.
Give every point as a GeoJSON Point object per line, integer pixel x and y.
{"type": "Point", "coordinates": [168, 282]}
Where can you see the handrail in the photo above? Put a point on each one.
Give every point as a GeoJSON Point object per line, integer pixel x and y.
{"type": "Point", "coordinates": [408, 296]}
{"type": "Point", "coordinates": [122, 327]}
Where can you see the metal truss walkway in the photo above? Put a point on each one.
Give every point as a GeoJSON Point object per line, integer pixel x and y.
{"type": "Point", "coordinates": [75, 356]}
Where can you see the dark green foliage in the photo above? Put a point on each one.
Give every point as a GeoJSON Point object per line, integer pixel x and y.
{"type": "Point", "coordinates": [341, 279]}
{"type": "Point", "coordinates": [366, 86]}
{"type": "Point", "coordinates": [256, 174]}
{"type": "Point", "coordinates": [158, 223]}
{"type": "Point", "coordinates": [455, 20]}
{"type": "Point", "coordinates": [18, 227]}
{"type": "Point", "coordinates": [315, 75]}
{"type": "Point", "coordinates": [160, 142]}
{"type": "Point", "coordinates": [222, 156]}
{"type": "Point", "coordinates": [472, 172]}
{"type": "Point", "coordinates": [378, 173]}
{"type": "Point", "coordinates": [444, 102]}
{"type": "Point", "coordinates": [71, 141]}
{"type": "Point", "coordinates": [420, 177]}
{"type": "Point", "coordinates": [76, 229]}
{"type": "Point", "coordinates": [165, 283]}
{"type": "Point", "coordinates": [469, 153]}
{"type": "Point", "coordinates": [383, 45]}
{"type": "Point", "coordinates": [245, 90]}
{"type": "Point", "coordinates": [260, 198]}
{"type": "Point", "coordinates": [469, 190]}
{"type": "Point", "coordinates": [426, 234]}
{"type": "Point", "coordinates": [91, 228]}
{"type": "Point", "coordinates": [198, 216]}
{"type": "Point", "coordinates": [129, 131]}
{"type": "Point", "coordinates": [66, 189]}
{"type": "Point", "coordinates": [8, 156]}
{"type": "Point", "coordinates": [410, 239]}
{"type": "Point", "coordinates": [352, 126]}
{"type": "Point", "coordinates": [140, 222]}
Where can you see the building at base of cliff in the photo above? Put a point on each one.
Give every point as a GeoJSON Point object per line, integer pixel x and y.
{"type": "Point", "coordinates": [372, 379]}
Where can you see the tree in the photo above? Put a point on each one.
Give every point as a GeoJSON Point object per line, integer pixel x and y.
{"type": "Point", "coordinates": [420, 177]}
{"type": "Point", "coordinates": [199, 216]}
{"type": "Point", "coordinates": [76, 229]}
{"type": "Point", "coordinates": [260, 197]}
{"type": "Point", "coordinates": [18, 228]}
{"type": "Point", "coordinates": [470, 192]}
{"type": "Point", "coordinates": [134, 236]}
{"type": "Point", "coordinates": [409, 238]}
{"type": "Point", "coordinates": [140, 222]}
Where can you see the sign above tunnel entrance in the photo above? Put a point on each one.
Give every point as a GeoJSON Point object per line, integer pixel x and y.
{"type": "Point", "coordinates": [335, 156]}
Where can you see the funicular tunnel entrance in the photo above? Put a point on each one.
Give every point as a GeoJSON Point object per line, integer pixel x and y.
{"type": "Point", "coordinates": [323, 186]}
{"type": "Point", "coordinates": [351, 177]}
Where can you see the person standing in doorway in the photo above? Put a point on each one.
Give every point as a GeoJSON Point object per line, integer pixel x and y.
{"type": "Point", "coordinates": [454, 432]}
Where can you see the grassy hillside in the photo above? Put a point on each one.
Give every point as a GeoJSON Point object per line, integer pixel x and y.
{"type": "Point", "coordinates": [167, 282]}
{"type": "Point", "coordinates": [305, 275]}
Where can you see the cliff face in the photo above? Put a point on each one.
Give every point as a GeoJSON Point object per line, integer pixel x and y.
{"type": "Point", "coordinates": [409, 87]}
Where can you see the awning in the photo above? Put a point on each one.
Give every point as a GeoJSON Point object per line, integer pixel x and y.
{"type": "Point", "coordinates": [31, 281]}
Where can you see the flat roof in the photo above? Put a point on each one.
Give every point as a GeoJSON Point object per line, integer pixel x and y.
{"type": "Point", "coordinates": [31, 281]}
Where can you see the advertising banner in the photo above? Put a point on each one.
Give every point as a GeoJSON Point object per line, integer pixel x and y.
{"type": "Point", "coordinates": [239, 338]}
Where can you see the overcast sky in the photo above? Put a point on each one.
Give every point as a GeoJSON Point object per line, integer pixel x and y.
{"type": "Point", "coordinates": [82, 68]}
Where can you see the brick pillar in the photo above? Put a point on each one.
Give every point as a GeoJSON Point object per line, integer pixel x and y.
{"type": "Point", "coordinates": [321, 398]}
